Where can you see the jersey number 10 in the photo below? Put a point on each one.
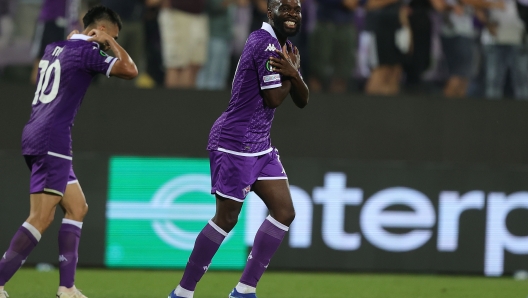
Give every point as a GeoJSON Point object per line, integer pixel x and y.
{"type": "Point", "coordinates": [44, 81]}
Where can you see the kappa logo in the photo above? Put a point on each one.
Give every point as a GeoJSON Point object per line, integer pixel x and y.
{"type": "Point", "coordinates": [271, 48]}
{"type": "Point", "coordinates": [62, 258]}
{"type": "Point", "coordinates": [205, 268]}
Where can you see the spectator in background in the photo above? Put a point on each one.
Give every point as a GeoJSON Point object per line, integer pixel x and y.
{"type": "Point", "coordinates": [390, 26]}
{"type": "Point", "coordinates": [419, 59]}
{"type": "Point", "coordinates": [457, 35]}
{"type": "Point", "coordinates": [309, 17]}
{"type": "Point", "coordinates": [153, 56]}
{"type": "Point", "coordinates": [458, 45]}
{"type": "Point", "coordinates": [332, 45]}
{"type": "Point", "coordinates": [6, 23]}
{"type": "Point", "coordinates": [259, 14]}
{"type": "Point", "coordinates": [522, 10]}
{"type": "Point", "coordinates": [184, 29]}
{"type": "Point", "coordinates": [504, 50]}
{"type": "Point", "coordinates": [241, 26]}
{"type": "Point", "coordinates": [57, 18]}
{"type": "Point", "coordinates": [213, 76]}
{"type": "Point", "coordinates": [131, 36]}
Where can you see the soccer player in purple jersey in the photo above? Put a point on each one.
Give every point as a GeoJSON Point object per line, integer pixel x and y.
{"type": "Point", "coordinates": [66, 70]}
{"type": "Point", "coordinates": [241, 155]}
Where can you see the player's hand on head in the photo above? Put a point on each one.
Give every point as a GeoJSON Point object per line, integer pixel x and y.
{"type": "Point", "coordinates": [99, 36]}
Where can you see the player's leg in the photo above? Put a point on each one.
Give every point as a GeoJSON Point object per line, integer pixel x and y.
{"type": "Point", "coordinates": [49, 175]}
{"type": "Point", "coordinates": [207, 244]}
{"type": "Point", "coordinates": [276, 196]}
{"type": "Point", "coordinates": [75, 208]}
{"type": "Point", "coordinates": [42, 211]}
{"type": "Point", "coordinates": [230, 184]}
{"type": "Point", "coordinates": [273, 188]}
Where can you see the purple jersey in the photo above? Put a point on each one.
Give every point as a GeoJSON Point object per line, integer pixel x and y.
{"type": "Point", "coordinates": [244, 128]}
{"type": "Point", "coordinates": [66, 71]}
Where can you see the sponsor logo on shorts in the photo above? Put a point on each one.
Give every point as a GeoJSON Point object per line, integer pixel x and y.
{"type": "Point", "coordinates": [271, 78]}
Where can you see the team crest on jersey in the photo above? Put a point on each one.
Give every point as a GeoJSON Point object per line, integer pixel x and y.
{"type": "Point", "coordinates": [246, 190]}
{"type": "Point", "coordinates": [103, 53]}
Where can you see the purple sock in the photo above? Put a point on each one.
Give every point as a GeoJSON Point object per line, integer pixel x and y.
{"type": "Point", "coordinates": [205, 247]}
{"type": "Point", "coordinates": [69, 237]}
{"type": "Point", "coordinates": [269, 237]}
{"type": "Point", "coordinates": [19, 249]}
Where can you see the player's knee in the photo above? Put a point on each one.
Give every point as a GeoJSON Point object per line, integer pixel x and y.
{"type": "Point", "coordinates": [41, 221]}
{"type": "Point", "coordinates": [226, 221]}
{"type": "Point", "coordinates": [289, 217]}
{"type": "Point", "coordinates": [285, 217]}
{"type": "Point", "coordinates": [78, 212]}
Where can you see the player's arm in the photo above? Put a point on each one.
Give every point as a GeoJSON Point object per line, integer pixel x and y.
{"type": "Point", "coordinates": [124, 67]}
{"type": "Point", "coordinates": [274, 97]}
{"type": "Point", "coordinates": [288, 66]}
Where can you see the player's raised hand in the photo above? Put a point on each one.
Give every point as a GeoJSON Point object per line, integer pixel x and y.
{"type": "Point", "coordinates": [100, 37]}
{"type": "Point", "coordinates": [285, 65]}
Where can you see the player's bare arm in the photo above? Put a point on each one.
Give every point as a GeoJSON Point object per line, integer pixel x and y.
{"type": "Point", "coordinates": [124, 67]}
{"type": "Point", "coordinates": [288, 66]}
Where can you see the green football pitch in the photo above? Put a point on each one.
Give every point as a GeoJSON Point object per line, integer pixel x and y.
{"type": "Point", "coordinates": [100, 283]}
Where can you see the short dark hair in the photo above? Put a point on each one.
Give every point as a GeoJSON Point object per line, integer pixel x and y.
{"type": "Point", "coordinates": [98, 13]}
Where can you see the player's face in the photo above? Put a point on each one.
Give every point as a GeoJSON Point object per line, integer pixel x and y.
{"type": "Point", "coordinates": [286, 17]}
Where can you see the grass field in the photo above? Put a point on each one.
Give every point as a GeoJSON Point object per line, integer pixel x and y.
{"type": "Point", "coordinates": [29, 283]}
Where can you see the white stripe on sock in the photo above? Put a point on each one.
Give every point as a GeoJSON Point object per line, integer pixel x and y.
{"type": "Point", "coordinates": [32, 230]}
{"type": "Point", "coordinates": [217, 228]}
{"type": "Point", "coordinates": [179, 291]}
{"type": "Point", "coordinates": [245, 289]}
{"type": "Point", "coordinates": [72, 222]}
{"type": "Point", "coordinates": [277, 224]}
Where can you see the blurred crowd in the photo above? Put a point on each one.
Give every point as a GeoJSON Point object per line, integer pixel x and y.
{"type": "Point", "coordinates": [384, 47]}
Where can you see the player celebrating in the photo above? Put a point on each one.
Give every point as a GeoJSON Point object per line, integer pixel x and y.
{"type": "Point", "coordinates": [241, 156]}
{"type": "Point", "coordinates": [66, 70]}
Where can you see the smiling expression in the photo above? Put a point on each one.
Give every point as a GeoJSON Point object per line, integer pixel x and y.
{"type": "Point", "coordinates": [285, 16]}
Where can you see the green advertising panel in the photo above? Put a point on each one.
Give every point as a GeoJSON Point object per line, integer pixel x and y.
{"type": "Point", "coordinates": [156, 208]}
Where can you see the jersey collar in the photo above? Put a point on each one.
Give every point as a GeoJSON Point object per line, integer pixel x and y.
{"type": "Point", "coordinates": [267, 27]}
{"type": "Point", "coordinates": [82, 37]}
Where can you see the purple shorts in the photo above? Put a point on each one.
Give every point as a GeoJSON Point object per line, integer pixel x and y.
{"type": "Point", "coordinates": [50, 173]}
{"type": "Point", "coordinates": [233, 175]}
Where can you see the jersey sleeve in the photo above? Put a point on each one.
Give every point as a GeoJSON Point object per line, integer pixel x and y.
{"type": "Point", "coordinates": [262, 51]}
{"type": "Point", "coordinates": [96, 61]}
